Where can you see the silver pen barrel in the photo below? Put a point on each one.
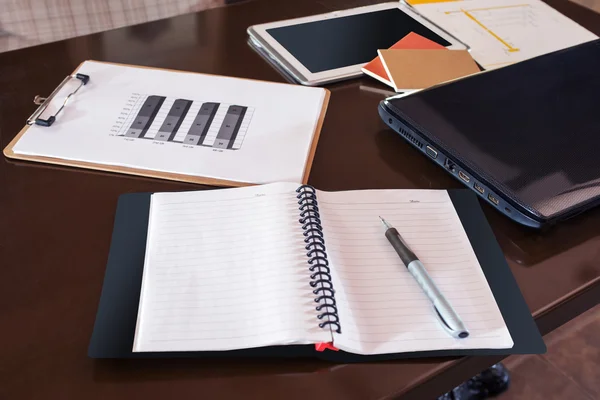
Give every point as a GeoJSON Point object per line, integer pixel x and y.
{"type": "Point", "coordinates": [448, 317]}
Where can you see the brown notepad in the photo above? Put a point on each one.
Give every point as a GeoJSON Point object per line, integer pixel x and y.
{"type": "Point", "coordinates": [419, 69]}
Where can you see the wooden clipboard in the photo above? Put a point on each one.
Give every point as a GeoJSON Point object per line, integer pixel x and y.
{"type": "Point", "coordinates": [9, 153]}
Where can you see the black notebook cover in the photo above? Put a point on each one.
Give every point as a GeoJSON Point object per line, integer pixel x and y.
{"type": "Point", "coordinates": [116, 319]}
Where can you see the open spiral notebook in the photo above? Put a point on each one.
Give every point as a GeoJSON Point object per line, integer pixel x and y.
{"type": "Point", "coordinates": [287, 265]}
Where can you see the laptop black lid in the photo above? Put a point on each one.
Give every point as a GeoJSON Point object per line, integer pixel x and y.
{"type": "Point", "coordinates": [531, 129]}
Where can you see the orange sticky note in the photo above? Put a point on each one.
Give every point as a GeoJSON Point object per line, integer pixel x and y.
{"type": "Point", "coordinates": [413, 40]}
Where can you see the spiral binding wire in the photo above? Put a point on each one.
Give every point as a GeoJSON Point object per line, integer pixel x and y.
{"type": "Point", "coordinates": [310, 219]}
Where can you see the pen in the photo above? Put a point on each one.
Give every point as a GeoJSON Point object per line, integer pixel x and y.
{"type": "Point", "coordinates": [449, 319]}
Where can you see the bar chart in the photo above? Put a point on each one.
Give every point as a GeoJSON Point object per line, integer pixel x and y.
{"type": "Point", "coordinates": [186, 121]}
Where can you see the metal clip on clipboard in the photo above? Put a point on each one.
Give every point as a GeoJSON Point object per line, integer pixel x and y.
{"type": "Point", "coordinates": [43, 102]}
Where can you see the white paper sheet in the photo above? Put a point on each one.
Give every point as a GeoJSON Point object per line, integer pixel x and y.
{"type": "Point", "coordinates": [381, 307]}
{"type": "Point", "coordinates": [224, 270]}
{"type": "Point", "coordinates": [271, 143]}
{"type": "Point", "coordinates": [502, 32]}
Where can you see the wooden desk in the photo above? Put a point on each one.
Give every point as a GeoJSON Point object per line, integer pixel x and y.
{"type": "Point", "coordinates": [55, 227]}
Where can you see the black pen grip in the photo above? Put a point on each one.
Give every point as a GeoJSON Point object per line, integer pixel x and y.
{"type": "Point", "coordinates": [406, 255]}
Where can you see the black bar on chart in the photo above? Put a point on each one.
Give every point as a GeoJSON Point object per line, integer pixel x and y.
{"type": "Point", "coordinates": [173, 121]}
{"type": "Point", "coordinates": [145, 116]}
{"type": "Point", "coordinates": [230, 127]}
{"type": "Point", "coordinates": [201, 124]}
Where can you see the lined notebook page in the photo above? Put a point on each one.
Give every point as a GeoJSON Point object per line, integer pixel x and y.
{"type": "Point", "coordinates": [381, 307]}
{"type": "Point", "coordinates": [226, 269]}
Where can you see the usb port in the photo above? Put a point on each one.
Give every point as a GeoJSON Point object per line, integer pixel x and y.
{"type": "Point", "coordinates": [478, 188]}
{"type": "Point", "coordinates": [431, 152]}
{"type": "Point", "coordinates": [493, 199]}
{"type": "Point", "coordinates": [464, 176]}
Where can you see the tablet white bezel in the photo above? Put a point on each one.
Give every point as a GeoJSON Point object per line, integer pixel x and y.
{"type": "Point", "coordinates": [259, 33]}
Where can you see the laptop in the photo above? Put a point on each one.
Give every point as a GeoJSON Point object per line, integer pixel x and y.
{"type": "Point", "coordinates": [525, 138]}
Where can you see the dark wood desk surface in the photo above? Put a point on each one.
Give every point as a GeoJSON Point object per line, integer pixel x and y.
{"type": "Point", "coordinates": [55, 227]}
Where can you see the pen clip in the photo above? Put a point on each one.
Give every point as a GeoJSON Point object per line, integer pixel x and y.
{"type": "Point", "coordinates": [459, 333]}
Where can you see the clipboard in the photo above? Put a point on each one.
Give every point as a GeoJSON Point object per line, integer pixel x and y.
{"type": "Point", "coordinates": [83, 79]}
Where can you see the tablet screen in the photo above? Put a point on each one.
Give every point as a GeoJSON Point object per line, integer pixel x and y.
{"type": "Point", "coordinates": [354, 39]}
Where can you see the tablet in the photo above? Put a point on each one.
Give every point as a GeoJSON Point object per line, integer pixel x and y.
{"type": "Point", "coordinates": [331, 47]}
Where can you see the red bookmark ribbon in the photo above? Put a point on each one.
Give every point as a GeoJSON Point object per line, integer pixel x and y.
{"type": "Point", "coordinates": [325, 346]}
